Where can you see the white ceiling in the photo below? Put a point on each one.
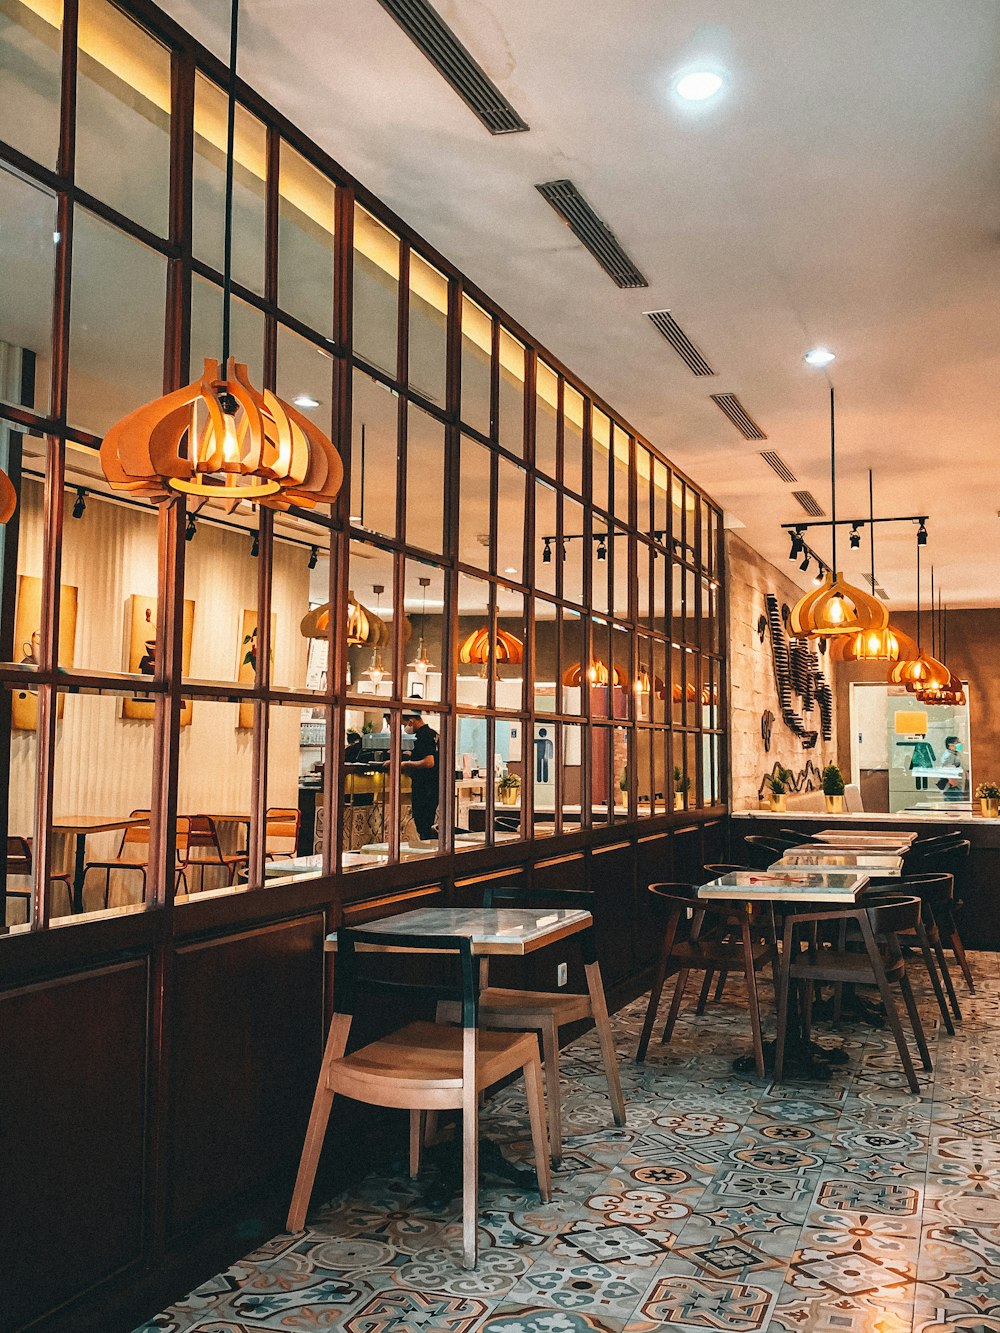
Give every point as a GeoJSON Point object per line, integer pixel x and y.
{"type": "Point", "coordinates": [842, 190]}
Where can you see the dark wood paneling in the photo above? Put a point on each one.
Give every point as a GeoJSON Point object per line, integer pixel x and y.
{"type": "Point", "coordinates": [654, 864]}
{"type": "Point", "coordinates": [612, 873]}
{"type": "Point", "coordinates": [247, 1036]}
{"type": "Point", "coordinates": [688, 861]}
{"type": "Point", "coordinates": [73, 1056]}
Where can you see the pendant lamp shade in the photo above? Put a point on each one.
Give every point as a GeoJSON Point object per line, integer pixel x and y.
{"type": "Point", "coordinates": [597, 673]}
{"type": "Point", "coordinates": [363, 625]}
{"type": "Point", "coordinates": [477, 648]}
{"type": "Point", "coordinates": [220, 438]}
{"type": "Point", "coordinates": [952, 694]}
{"type": "Point", "coordinates": [8, 498]}
{"type": "Point", "coordinates": [923, 672]}
{"type": "Point", "coordinates": [834, 608]}
{"type": "Point", "coordinates": [873, 645]}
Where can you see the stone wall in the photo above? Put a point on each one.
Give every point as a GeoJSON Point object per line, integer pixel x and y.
{"type": "Point", "coordinates": [752, 687]}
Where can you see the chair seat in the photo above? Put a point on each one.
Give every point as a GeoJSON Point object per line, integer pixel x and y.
{"type": "Point", "coordinates": [527, 1005]}
{"type": "Point", "coordinates": [428, 1057]}
{"type": "Point", "coordinates": [840, 965]}
{"type": "Point", "coordinates": [119, 863]}
{"type": "Point", "coordinates": [717, 954]}
{"type": "Point", "coordinates": [226, 859]}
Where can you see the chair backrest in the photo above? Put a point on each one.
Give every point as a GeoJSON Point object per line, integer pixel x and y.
{"type": "Point", "coordinates": [202, 832]}
{"type": "Point", "coordinates": [282, 823]}
{"type": "Point", "coordinates": [794, 839]}
{"type": "Point", "coordinates": [517, 895]}
{"type": "Point", "coordinates": [717, 868]}
{"type": "Point", "coordinates": [893, 912]}
{"type": "Point", "coordinates": [18, 854]}
{"type": "Point", "coordinates": [348, 980]}
{"type": "Point", "coordinates": [853, 799]}
{"type": "Point", "coordinates": [682, 900]}
{"type": "Point", "coordinates": [182, 837]}
{"type": "Point", "coordinates": [135, 833]}
{"type": "Point", "coordinates": [768, 849]}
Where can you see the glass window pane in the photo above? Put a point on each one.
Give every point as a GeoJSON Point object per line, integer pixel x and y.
{"type": "Point", "coordinates": [305, 378]}
{"type": "Point", "coordinates": [661, 674]}
{"type": "Point", "coordinates": [299, 661]}
{"type": "Point", "coordinates": [508, 650]}
{"type": "Point", "coordinates": [477, 349]}
{"type": "Point", "coordinates": [215, 785]}
{"type": "Point", "coordinates": [601, 562]}
{"type": "Point", "coordinates": [573, 550]}
{"type": "Point", "coordinates": [508, 758]}
{"type": "Point", "coordinates": [103, 771]}
{"type": "Point", "coordinates": [306, 211]}
{"type": "Point", "coordinates": [376, 293]}
{"type": "Point", "coordinates": [575, 661]}
{"type": "Point", "coordinates": [692, 793]}
{"type": "Point", "coordinates": [428, 337]}
{"type": "Point", "coordinates": [572, 776]}
{"type": "Point", "coordinates": [661, 501]}
{"type": "Point", "coordinates": [621, 675]}
{"type": "Point", "coordinates": [123, 98]}
{"type": "Point", "coordinates": [425, 610]}
{"type": "Point", "coordinates": [644, 686]}
{"type": "Point", "coordinates": [375, 454]}
{"type": "Point", "coordinates": [546, 638]}
{"type": "Point", "coordinates": [662, 785]}
{"type": "Point", "coordinates": [622, 455]}
{"type": "Point", "coordinates": [600, 452]}
{"type": "Point", "coordinates": [472, 764]}
{"type": "Point", "coordinates": [599, 674]}
{"type": "Point", "coordinates": [474, 642]}
{"type": "Point", "coordinates": [246, 331]}
{"type": "Point", "coordinates": [208, 219]}
{"type": "Point", "coordinates": [420, 787]}
{"type": "Point", "coordinates": [116, 347]}
{"type": "Point", "coordinates": [677, 685]}
{"type": "Point", "coordinates": [31, 60]}
{"type": "Point", "coordinates": [677, 517]}
{"type": "Point", "coordinates": [474, 508]}
{"type": "Point", "coordinates": [643, 487]}
{"type": "Point", "coordinates": [546, 418]}
{"type": "Point", "coordinates": [424, 480]}
{"type": "Point", "coordinates": [572, 439]}
{"type": "Point", "coordinates": [644, 773]}
{"type": "Point", "coordinates": [511, 401]}
{"type": "Point", "coordinates": [370, 622]}
{"type": "Point", "coordinates": [511, 482]}
{"type": "Point", "coordinates": [22, 740]}
{"type": "Point", "coordinates": [547, 552]}
{"type": "Point", "coordinates": [620, 599]}
{"type": "Point", "coordinates": [646, 568]}
{"type": "Point", "coordinates": [296, 753]}
{"type": "Point", "coordinates": [544, 768]}
{"type": "Point", "coordinates": [27, 274]}
{"type": "Point", "coordinates": [220, 605]}
{"type": "Point", "coordinates": [363, 823]}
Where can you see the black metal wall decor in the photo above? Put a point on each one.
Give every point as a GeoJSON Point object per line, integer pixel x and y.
{"type": "Point", "coordinates": [766, 728]}
{"type": "Point", "coordinates": [797, 672]}
{"type": "Point", "coordinates": [808, 778]}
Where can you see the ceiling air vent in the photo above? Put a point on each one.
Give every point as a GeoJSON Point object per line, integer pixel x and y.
{"type": "Point", "coordinates": [422, 23]}
{"type": "Point", "coordinates": [809, 503]}
{"type": "Point", "coordinates": [591, 232]}
{"type": "Point", "coordinates": [680, 342]}
{"type": "Point", "coordinates": [876, 587]}
{"type": "Point", "coordinates": [738, 415]}
{"type": "Point", "coordinates": [777, 464]}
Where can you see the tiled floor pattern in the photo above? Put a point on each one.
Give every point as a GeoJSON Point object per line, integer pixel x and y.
{"type": "Point", "coordinates": [725, 1205]}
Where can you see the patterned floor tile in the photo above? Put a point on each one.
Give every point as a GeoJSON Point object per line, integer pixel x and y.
{"type": "Point", "coordinates": [686, 1302]}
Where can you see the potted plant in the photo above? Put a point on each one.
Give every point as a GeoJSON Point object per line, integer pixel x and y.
{"type": "Point", "coordinates": [777, 785]}
{"type": "Point", "coordinates": [988, 796]}
{"type": "Point", "coordinates": [833, 789]}
{"type": "Point", "coordinates": [682, 785]}
{"type": "Point", "coordinates": [508, 788]}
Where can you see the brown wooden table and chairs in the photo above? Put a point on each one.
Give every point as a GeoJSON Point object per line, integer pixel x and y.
{"type": "Point", "coordinates": [80, 828]}
{"type": "Point", "coordinates": [426, 1067]}
{"type": "Point", "coordinates": [20, 865]}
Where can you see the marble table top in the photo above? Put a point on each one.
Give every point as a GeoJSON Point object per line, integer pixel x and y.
{"type": "Point", "coordinates": [805, 886]}
{"type": "Point", "coordinates": [496, 930]}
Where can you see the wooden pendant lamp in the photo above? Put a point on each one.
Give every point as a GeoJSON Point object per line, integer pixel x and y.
{"type": "Point", "coordinates": [219, 437]}
{"type": "Point", "coordinates": [835, 607]}
{"type": "Point", "coordinates": [872, 645]}
{"type": "Point", "coordinates": [922, 671]}
{"type": "Point", "coordinates": [501, 649]}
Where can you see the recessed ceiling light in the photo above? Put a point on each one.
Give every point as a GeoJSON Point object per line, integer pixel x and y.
{"type": "Point", "coordinates": [698, 86]}
{"type": "Point", "coordinates": [305, 400]}
{"type": "Point", "coordinates": [819, 356]}
{"type": "Point", "coordinates": [510, 570]}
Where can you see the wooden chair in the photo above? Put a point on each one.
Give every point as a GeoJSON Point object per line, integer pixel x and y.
{"type": "Point", "coordinates": [715, 870]}
{"type": "Point", "coordinates": [880, 962]}
{"type": "Point", "coordinates": [422, 1067]}
{"type": "Point", "coordinates": [937, 892]}
{"type": "Point", "coordinates": [920, 936]}
{"type": "Point", "coordinates": [704, 950]}
{"type": "Point", "coordinates": [766, 850]}
{"type": "Point", "coordinates": [132, 856]}
{"type": "Point", "coordinates": [19, 862]}
{"type": "Point", "coordinates": [198, 847]}
{"type": "Point", "coordinates": [949, 857]}
{"type": "Point", "coordinates": [545, 1012]}
{"type": "Point", "coordinates": [281, 832]}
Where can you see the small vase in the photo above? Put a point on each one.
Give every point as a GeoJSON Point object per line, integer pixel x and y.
{"type": "Point", "coordinates": [778, 803]}
{"type": "Point", "coordinates": [990, 809]}
{"type": "Point", "coordinates": [834, 804]}
{"type": "Point", "coordinates": [508, 795]}
{"type": "Point", "coordinates": [678, 800]}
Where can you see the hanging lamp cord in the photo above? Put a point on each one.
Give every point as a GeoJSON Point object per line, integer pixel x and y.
{"type": "Point", "coordinates": [227, 269]}
{"type": "Point", "coordinates": [833, 476]}
{"type": "Point", "coordinates": [871, 525]}
{"type": "Point", "coordinates": [918, 598]}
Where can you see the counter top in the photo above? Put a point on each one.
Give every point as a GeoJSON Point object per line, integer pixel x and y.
{"type": "Point", "coordinates": [849, 817]}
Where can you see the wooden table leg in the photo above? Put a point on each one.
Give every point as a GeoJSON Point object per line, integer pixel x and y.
{"type": "Point", "coordinates": [603, 1024]}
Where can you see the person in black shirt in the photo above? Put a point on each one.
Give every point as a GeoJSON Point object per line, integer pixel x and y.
{"type": "Point", "coordinates": [422, 767]}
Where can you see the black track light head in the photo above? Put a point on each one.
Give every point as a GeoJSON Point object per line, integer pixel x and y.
{"type": "Point", "coordinates": [547, 552]}
{"type": "Point", "coordinates": [313, 558]}
{"type": "Point", "coordinates": [191, 528]}
{"type": "Point", "coordinates": [805, 562]}
{"type": "Point", "coordinates": [255, 545]}
{"type": "Point", "coordinates": [922, 533]}
{"type": "Point", "coordinates": [80, 503]}
{"type": "Point", "coordinates": [855, 537]}
{"type": "Point", "coordinates": [602, 548]}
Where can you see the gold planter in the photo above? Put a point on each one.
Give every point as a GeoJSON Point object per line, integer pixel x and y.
{"type": "Point", "coordinates": [778, 803]}
{"type": "Point", "coordinates": [509, 795]}
{"type": "Point", "coordinates": [990, 809]}
{"type": "Point", "coordinates": [678, 800]}
{"type": "Point", "coordinates": [834, 804]}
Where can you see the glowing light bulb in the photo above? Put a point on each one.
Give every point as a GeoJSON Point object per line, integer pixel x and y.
{"type": "Point", "coordinates": [836, 610]}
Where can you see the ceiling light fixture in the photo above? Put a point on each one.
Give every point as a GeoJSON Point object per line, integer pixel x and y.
{"type": "Point", "coordinates": [855, 537]}
{"type": "Point", "coordinates": [835, 606]}
{"type": "Point", "coordinates": [80, 503]}
{"type": "Point", "coordinates": [313, 560]}
{"type": "Point", "coordinates": [602, 548]}
{"type": "Point", "coordinates": [547, 552]}
{"type": "Point", "coordinates": [421, 664]}
{"type": "Point", "coordinates": [922, 533]}
{"type": "Point", "coordinates": [819, 357]}
{"type": "Point", "coordinates": [255, 545]}
{"type": "Point", "coordinates": [191, 529]}
{"type": "Point", "coordinates": [873, 645]}
{"type": "Point", "coordinates": [699, 85]}
{"type": "Point", "coordinates": [305, 400]}
{"type": "Point", "coordinates": [805, 562]}
{"type": "Point", "coordinates": [219, 437]}
{"type": "Point", "coordinates": [919, 672]}
{"type": "Point", "coordinates": [501, 648]}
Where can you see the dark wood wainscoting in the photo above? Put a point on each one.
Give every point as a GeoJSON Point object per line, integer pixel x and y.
{"type": "Point", "coordinates": [157, 1068]}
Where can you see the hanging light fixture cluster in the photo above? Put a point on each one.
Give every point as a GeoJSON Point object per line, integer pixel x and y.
{"type": "Point", "coordinates": [218, 437]}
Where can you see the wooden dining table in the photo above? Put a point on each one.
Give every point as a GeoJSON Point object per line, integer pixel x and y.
{"type": "Point", "coordinates": [80, 827]}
